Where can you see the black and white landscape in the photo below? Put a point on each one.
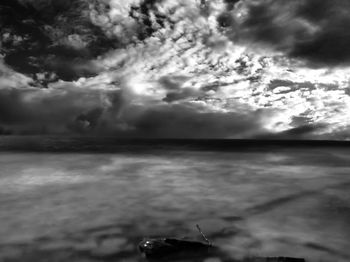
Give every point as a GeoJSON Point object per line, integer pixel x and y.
{"type": "Point", "coordinates": [124, 119]}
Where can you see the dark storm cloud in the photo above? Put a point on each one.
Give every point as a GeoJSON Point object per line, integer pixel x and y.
{"type": "Point", "coordinates": [180, 121]}
{"type": "Point", "coordinates": [309, 29]}
{"type": "Point", "coordinates": [86, 122]}
{"type": "Point", "coordinates": [33, 111]}
{"type": "Point", "coordinates": [50, 37]}
{"type": "Point", "coordinates": [30, 111]}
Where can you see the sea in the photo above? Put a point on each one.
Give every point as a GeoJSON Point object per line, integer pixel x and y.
{"type": "Point", "coordinates": [86, 199]}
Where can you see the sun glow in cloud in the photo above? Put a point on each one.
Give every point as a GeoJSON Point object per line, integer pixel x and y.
{"type": "Point", "coordinates": [148, 68]}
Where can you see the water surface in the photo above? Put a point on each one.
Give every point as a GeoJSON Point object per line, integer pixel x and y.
{"type": "Point", "coordinates": [97, 207]}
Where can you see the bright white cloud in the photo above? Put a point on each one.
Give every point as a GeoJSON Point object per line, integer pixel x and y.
{"type": "Point", "coordinates": [10, 78]}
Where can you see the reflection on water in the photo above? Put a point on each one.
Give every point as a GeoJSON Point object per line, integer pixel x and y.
{"type": "Point", "coordinates": [97, 207]}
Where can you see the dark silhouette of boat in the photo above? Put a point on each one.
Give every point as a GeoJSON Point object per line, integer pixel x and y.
{"type": "Point", "coordinates": [180, 249]}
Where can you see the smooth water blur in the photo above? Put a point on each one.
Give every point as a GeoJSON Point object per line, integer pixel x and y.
{"type": "Point", "coordinates": [97, 207]}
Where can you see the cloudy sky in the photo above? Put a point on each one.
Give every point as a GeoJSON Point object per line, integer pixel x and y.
{"type": "Point", "coordinates": [176, 69]}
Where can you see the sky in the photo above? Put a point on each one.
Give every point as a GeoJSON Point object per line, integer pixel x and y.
{"type": "Point", "coordinates": [252, 69]}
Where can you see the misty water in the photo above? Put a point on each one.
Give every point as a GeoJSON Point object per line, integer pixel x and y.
{"type": "Point", "coordinates": [97, 207]}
